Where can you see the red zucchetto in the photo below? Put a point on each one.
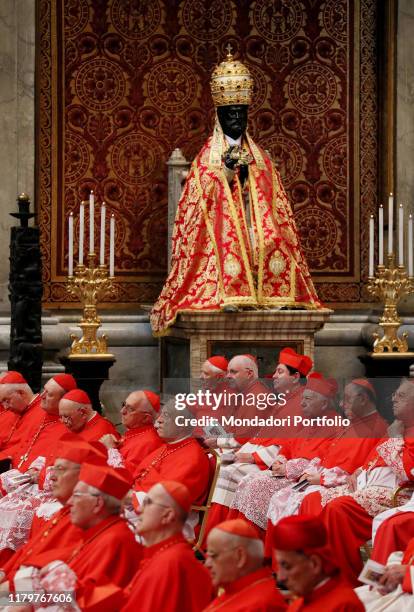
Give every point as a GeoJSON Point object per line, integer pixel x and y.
{"type": "Point", "coordinates": [325, 386]}
{"type": "Point", "coordinates": [306, 534]}
{"type": "Point", "coordinates": [78, 396]}
{"type": "Point", "coordinates": [13, 378]}
{"type": "Point", "coordinates": [115, 482]}
{"type": "Point", "coordinates": [365, 384]}
{"type": "Point", "coordinates": [239, 527]}
{"type": "Point", "coordinates": [73, 448]}
{"type": "Point", "coordinates": [153, 399]}
{"type": "Point", "coordinates": [299, 533]}
{"type": "Point", "coordinates": [178, 492]}
{"type": "Point", "coordinates": [66, 381]}
{"type": "Point", "coordinates": [219, 362]}
{"type": "Point", "coordinates": [301, 363]}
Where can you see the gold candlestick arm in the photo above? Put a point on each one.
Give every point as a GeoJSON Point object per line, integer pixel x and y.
{"type": "Point", "coordinates": [89, 285]}
{"type": "Point", "coordinates": [389, 285]}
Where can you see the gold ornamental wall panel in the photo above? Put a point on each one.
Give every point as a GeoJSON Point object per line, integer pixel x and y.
{"type": "Point", "coordinates": [121, 83]}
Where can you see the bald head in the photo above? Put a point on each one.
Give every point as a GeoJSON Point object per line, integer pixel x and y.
{"type": "Point", "coordinates": [241, 372]}
{"type": "Point", "coordinates": [230, 556]}
{"type": "Point", "coordinates": [16, 396]}
{"type": "Point", "coordinates": [137, 411]}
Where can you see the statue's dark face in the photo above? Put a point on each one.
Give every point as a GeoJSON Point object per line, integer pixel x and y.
{"type": "Point", "coordinates": [233, 119]}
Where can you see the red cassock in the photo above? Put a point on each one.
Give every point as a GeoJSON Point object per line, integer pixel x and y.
{"type": "Point", "coordinates": [42, 442]}
{"type": "Point", "coordinates": [97, 427]}
{"type": "Point", "coordinates": [183, 461]}
{"type": "Point", "coordinates": [349, 453]}
{"type": "Point", "coordinates": [243, 409]}
{"type": "Point", "coordinates": [393, 534]}
{"type": "Point", "coordinates": [219, 512]}
{"type": "Point", "coordinates": [169, 579]}
{"type": "Point", "coordinates": [93, 431]}
{"type": "Point", "coordinates": [332, 596]}
{"type": "Point", "coordinates": [349, 525]}
{"type": "Point", "coordinates": [299, 451]}
{"type": "Point", "coordinates": [58, 531]}
{"type": "Point", "coordinates": [137, 443]}
{"type": "Point", "coordinates": [108, 549]}
{"type": "Point", "coordinates": [23, 428]}
{"type": "Point", "coordinates": [291, 408]}
{"type": "Point", "coordinates": [408, 559]}
{"type": "Point", "coordinates": [255, 592]}
{"type": "Point", "coordinates": [8, 424]}
{"type": "Point", "coordinates": [43, 438]}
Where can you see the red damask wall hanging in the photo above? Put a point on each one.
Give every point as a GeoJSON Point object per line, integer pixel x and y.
{"type": "Point", "coordinates": [121, 83]}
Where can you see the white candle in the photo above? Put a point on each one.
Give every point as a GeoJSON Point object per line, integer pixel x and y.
{"type": "Point", "coordinates": [102, 243]}
{"type": "Point", "coordinates": [400, 235]}
{"type": "Point", "coordinates": [70, 250]}
{"type": "Point", "coordinates": [371, 246]}
{"type": "Point", "coordinates": [390, 222]}
{"type": "Point", "coordinates": [381, 236]}
{"type": "Point", "coordinates": [81, 231]}
{"type": "Point", "coordinates": [91, 222]}
{"type": "Point", "coordinates": [112, 246]}
{"type": "Point", "coordinates": [410, 245]}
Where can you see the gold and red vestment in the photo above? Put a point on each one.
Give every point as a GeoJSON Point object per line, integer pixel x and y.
{"type": "Point", "coordinates": [215, 260]}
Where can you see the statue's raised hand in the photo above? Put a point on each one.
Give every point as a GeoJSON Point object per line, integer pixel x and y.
{"type": "Point", "coordinates": [231, 157]}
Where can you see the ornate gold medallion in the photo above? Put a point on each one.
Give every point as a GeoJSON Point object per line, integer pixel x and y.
{"type": "Point", "coordinates": [277, 263]}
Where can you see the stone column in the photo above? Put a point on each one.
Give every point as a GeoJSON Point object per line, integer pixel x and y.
{"type": "Point", "coordinates": [17, 117]}
{"type": "Point", "coordinates": [404, 137]}
{"type": "Point", "coordinates": [177, 170]}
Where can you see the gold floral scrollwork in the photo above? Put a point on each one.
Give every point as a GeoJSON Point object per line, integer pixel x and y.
{"type": "Point", "coordinates": [277, 264]}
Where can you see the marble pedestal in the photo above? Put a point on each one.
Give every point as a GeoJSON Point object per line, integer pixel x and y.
{"type": "Point", "coordinates": [196, 336]}
{"type": "Point", "coordinates": [387, 365]}
{"type": "Point", "coordinates": [89, 374]}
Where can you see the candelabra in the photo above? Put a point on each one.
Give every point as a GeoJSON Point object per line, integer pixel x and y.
{"type": "Point", "coordinates": [89, 284]}
{"type": "Point", "coordinates": [390, 284]}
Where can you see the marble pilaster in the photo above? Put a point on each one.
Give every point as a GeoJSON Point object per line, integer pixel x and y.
{"type": "Point", "coordinates": [404, 137]}
{"type": "Point", "coordinates": [17, 118]}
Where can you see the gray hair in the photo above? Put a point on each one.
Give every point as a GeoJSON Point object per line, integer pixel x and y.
{"type": "Point", "coordinates": [13, 387]}
{"type": "Point", "coordinates": [112, 504]}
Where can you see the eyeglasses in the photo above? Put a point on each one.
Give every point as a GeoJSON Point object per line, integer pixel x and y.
{"type": "Point", "coordinates": [127, 407]}
{"type": "Point", "coordinates": [147, 501]}
{"type": "Point", "coordinates": [79, 494]}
